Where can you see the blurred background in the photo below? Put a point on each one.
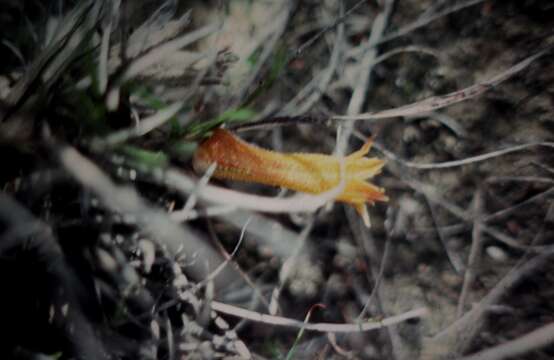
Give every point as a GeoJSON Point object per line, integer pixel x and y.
{"type": "Point", "coordinates": [113, 247]}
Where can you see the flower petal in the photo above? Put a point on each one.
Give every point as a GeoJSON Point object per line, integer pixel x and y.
{"type": "Point", "coordinates": [311, 173]}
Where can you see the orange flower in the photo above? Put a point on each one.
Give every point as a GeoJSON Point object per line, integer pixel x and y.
{"type": "Point", "coordinates": [305, 172]}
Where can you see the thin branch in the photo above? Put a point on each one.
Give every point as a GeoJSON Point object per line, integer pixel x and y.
{"type": "Point", "coordinates": [366, 65]}
{"type": "Point", "coordinates": [281, 121]}
{"type": "Point", "coordinates": [175, 237]}
{"type": "Point", "coordinates": [474, 253]}
{"type": "Point", "coordinates": [423, 21]}
{"type": "Point", "coordinates": [431, 193]}
{"type": "Point", "coordinates": [405, 49]}
{"type": "Point", "coordinates": [288, 265]}
{"type": "Point", "coordinates": [338, 21]}
{"type": "Point", "coordinates": [143, 127]}
{"type": "Point", "coordinates": [216, 210]}
{"type": "Point", "coordinates": [228, 258]}
{"type": "Point", "coordinates": [438, 102]}
{"type": "Point", "coordinates": [452, 229]}
{"type": "Point", "coordinates": [257, 293]}
{"type": "Point", "coordinates": [453, 258]}
{"type": "Point", "coordinates": [321, 327]}
{"type": "Point", "coordinates": [532, 179]}
{"type": "Point", "coordinates": [446, 120]}
{"type": "Point", "coordinates": [461, 162]}
{"type": "Point", "coordinates": [241, 200]}
{"type": "Point", "coordinates": [532, 341]}
{"type": "Point", "coordinates": [377, 264]}
{"type": "Point", "coordinates": [455, 339]}
{"type": "Point", "coordinates": [191, 201]}
{"type": "Point", "coordinates": [267, 232]}
{"type": "Point", "coordinates": [323, 80]}
{"type": "Point", "coordinates": [365, 68]}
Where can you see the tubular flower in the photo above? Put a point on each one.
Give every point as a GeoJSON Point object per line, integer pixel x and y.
{"type": "Point", "coordinates": [305, 172]}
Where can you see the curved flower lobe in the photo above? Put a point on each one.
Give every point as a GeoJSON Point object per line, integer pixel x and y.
{"type": "Point", "coordinates": [305, 172]}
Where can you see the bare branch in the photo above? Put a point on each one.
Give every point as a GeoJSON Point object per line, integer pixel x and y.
{"type": "Point", "coordinates": [534, 340]}
{"type": "Point", "coordinates": [474, 253]}
{"type": "Point", "coordinates": [321, 327]}
{"type": "Point", "coordinates": [125, 199]}
{"type": "Point", "coordinates": [438, 102]}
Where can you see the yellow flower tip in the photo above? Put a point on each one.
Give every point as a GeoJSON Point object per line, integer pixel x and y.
{"type": "Point", "coordinates": [361, 209]}
{"type": "Point", "coordinates": [311, 173]}
{"type": "Point", "coordinates": [364, 150]}
{"type": "Point", "coordinates": [359, 193]}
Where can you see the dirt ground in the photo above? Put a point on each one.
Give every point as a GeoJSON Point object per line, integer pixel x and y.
{"type": "Point", "coordinates": [97, 259]}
